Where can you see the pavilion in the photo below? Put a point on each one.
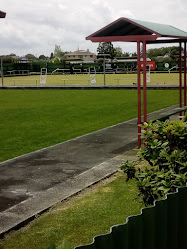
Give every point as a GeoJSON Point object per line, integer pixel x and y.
{"type": "Point", "coordinates": [142, 32]}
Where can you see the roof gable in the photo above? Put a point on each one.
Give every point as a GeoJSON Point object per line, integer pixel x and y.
{"type": "Point", "coordinates": [126, 29]}
{"type": "Point", "coordinates": [122, 27]}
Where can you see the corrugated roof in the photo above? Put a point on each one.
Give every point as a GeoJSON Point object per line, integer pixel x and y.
{"type": "Point", "coordinates": [162, 29]}
{"type": "Point", "coordinates": [127, 29]}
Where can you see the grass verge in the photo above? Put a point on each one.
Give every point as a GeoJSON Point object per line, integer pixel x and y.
{"type": "Point", "coordinates": [77, 220]}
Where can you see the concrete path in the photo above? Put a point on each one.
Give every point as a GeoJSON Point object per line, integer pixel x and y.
{"type": "Point", "coordinates": [34, 182]}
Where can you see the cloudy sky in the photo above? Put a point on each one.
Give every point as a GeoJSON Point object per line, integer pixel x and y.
{"type": "Point", "coordinates": [36, 26]}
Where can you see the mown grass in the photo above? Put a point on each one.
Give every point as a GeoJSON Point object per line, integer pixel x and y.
{"type": "Point", "coordinates": [70, 224]}
{"type": "Point", "coordinates": [111, 79]}
{"type": "Point", "coordinates": [34, 119]}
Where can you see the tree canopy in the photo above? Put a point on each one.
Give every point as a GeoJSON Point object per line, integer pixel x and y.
{"type": "Point", "coordinates": [172, 52]}
{"type": "Point", "coordinates": [106, 48]}
{"type": "Point", "coordinates": [58, 53]}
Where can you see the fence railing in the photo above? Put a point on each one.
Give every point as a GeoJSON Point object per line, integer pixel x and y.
{"type": "Point", "coordinates": [162, 226]}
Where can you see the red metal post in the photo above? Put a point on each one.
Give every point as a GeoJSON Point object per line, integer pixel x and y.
{"type": "Point", "coordinates": [139, 93]}
{"type": "Point", "coordinates": [144, 81]}
{"type": "Point", "coordinates": [180, 74]}
{"type": "Point", "coordinates": [184, 73]}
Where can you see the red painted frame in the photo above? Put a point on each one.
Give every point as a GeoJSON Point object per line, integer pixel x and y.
{"type": "Point", "coordinates": [145, 39]}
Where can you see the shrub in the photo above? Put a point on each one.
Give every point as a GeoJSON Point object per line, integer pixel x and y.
{"type": "Point", "coordinates": [129, 169]}
{"type": "Point", "coordinates": [166, 150]}
{"type": "Point", "coordinates": [165, 144]}
{"type": "Point", "coordinates": [154, 184]}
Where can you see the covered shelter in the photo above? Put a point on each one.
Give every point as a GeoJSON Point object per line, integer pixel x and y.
{"type": "Point", "coordinates": [142, 32]}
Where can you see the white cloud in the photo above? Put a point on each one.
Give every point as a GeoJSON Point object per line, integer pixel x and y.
{"type": "Point", "coordinates": [36, 26]}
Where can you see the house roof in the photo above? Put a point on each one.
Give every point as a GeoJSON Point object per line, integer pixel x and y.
{"type": "Point", "coordinates": [2, 14]}
{"type": "Point", "coordinates": [127, 29]}
{"type": "Point", "coordinates": [80, 52]}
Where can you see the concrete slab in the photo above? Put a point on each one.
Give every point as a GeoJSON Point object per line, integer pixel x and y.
{"type": "Point", "coordinates": [32, 183]}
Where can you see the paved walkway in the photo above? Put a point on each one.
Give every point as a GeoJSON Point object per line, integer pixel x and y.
{"type": "Point", "coordinates": [34, 182]}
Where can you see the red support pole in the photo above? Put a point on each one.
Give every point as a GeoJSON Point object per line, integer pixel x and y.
{"type": "Point", "coordinates": [139, 93]}
{"type": "Point", "coordinates": [184, 73]}
{"type": "Point", "coordinates": [144, 81]}
{"type": "Point", "coordinates": [180, 74]}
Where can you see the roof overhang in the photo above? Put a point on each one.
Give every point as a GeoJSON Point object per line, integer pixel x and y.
{"type": "Point", "coordinates": [131, 30]}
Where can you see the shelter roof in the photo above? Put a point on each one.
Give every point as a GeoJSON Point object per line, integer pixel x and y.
{"type": "Point", "coordinates": [127, 29]}
{"type": "Point", "coordinates": [2, 14]}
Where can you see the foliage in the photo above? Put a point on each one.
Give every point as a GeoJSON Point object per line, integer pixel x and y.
{"type": "Point", "coordinates": [43, 57]}
{"type": "Point", "coordinates": [154, 52]}
{"type": "Point", "coordinates": [52, 246]}
{"type": "Point", "coordinates": [166, 144]}
{"type": "Point", "coordinates": [154, 184]}
{"type": "Point", "coordinates": [30, 57]}
{"type": "Point", "coordinates": [166, 150]}
{"type": "Point", "coordinates": [58, 53]}
{"type": "Point", "coordinates": [129, 169]}
{"type": "Point", "coordinates": [118, 52]}
{"type": "Point", "coordinates": [126, 54]}
{"type": "Point", "coordinates": [106, 48]}
{"type": "Point", "coordinates": [185, 116]}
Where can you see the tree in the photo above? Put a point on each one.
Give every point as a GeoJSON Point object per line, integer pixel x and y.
{"type": "Point", "coordinates": [118, 52]}
{"type": "Point", "coordinates": [51, 56]}
{"type": "Point", "coordinates": [58, 53]}
{"type": "Point", "coordinates": [42, 57]}
{"type": "Point", "coordinates": [126, 54]}
{"type": "Point", "coordinates": [172, 52]}
{"type": "Point", "coordinates": [30, 57]}
{"type": "Point", "coordinates": [106, 48]}
{"type": "Point", "coordinates": [134, 54]}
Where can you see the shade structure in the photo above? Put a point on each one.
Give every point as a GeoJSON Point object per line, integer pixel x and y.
{"type": "Point", "coordinates": [131, 30]}
{"type": "Point", "coordinates": [143, 32]}
{"type": "Point", "coordinates": [2, 14]}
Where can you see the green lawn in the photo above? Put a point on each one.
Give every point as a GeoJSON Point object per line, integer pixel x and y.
{"type": "Point", "coordinates": [156, 78]}
{"type": "Point", "coordinates": [34, 119]}
{"type": "Point", "coordinates": [76, 222]}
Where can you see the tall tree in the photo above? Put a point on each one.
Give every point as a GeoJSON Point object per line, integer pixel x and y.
{"type": "Point", "coordinates": [118, 52]}
{"type": "Point", "coordinates": [30, 57]}
{"type": "Point", "coordinates": [172, 52]}
{"type": "Point", "coordinates": [58, 52]}
{"type": "Point", "coordinates": [106, 48]}
{"type": "Point", "coordinates": [126, 54]}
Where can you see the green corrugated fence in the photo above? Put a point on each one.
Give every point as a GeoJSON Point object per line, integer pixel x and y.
{"type": "Point", "coordinates": [163, 226]}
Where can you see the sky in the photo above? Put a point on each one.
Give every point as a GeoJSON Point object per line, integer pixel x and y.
{"type": "Point", "coordinates": [35, 27]}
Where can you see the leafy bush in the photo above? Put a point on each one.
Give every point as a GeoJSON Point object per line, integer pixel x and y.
{"type": "Point", "coordinates": [166, 150]}
{"type": "Point", "coordinates": [154, 184]}
{"type": "Point", "coordinates": [165, 144]}
{"type": "Point", "coordinates": [129, 169]}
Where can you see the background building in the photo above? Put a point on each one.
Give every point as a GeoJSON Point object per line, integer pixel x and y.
{"type": "Point", "coordinates": [80, 56]}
